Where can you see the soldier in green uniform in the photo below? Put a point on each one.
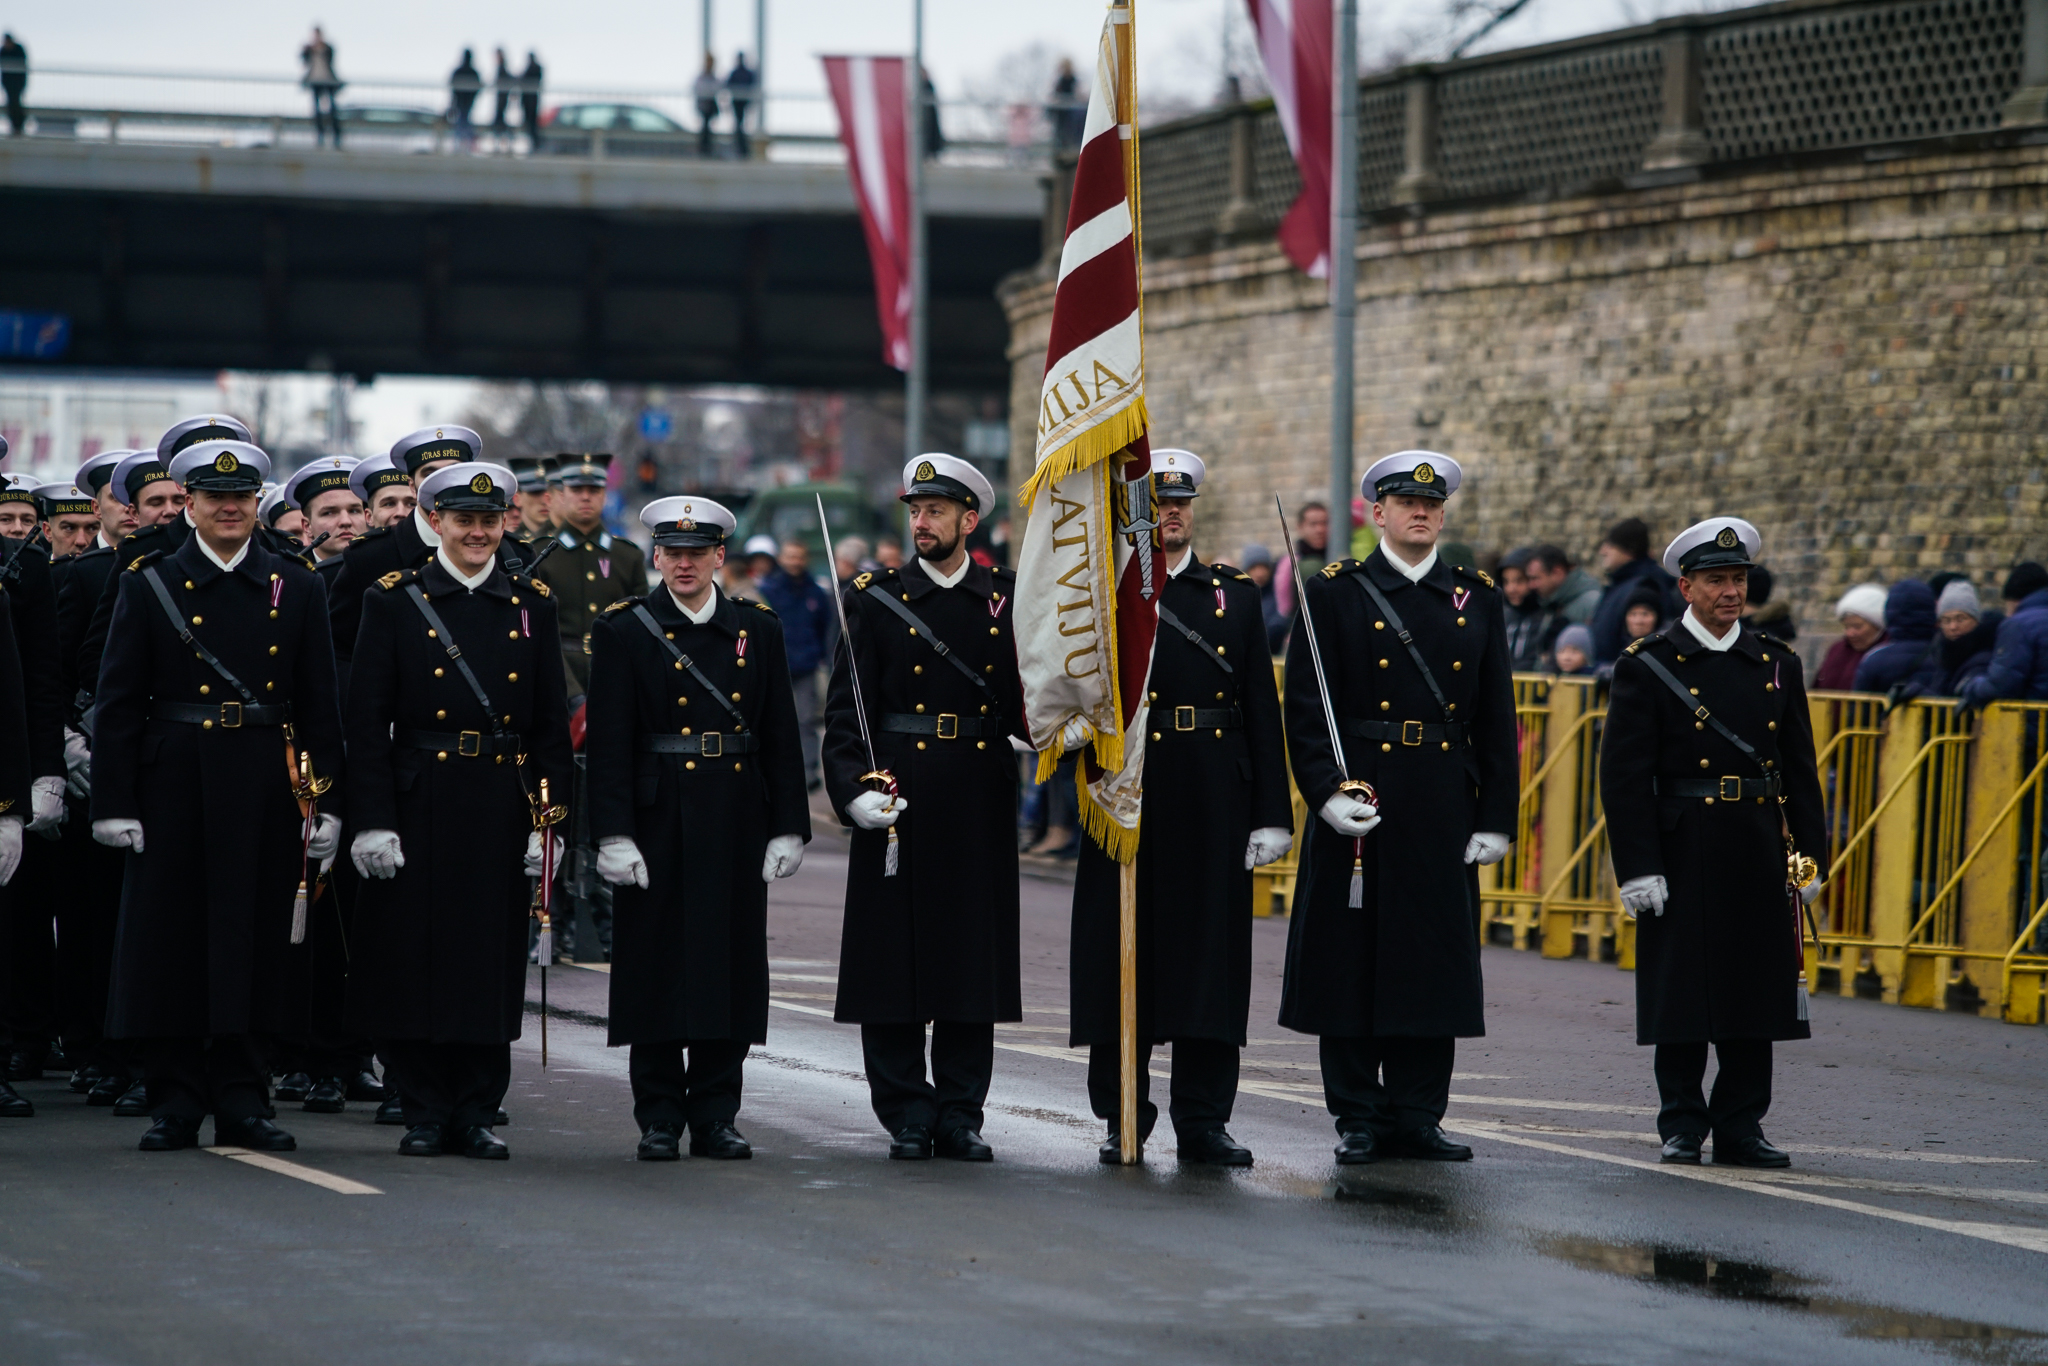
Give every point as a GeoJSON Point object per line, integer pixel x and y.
{"type": "Point", "coordinates": [590, 569]}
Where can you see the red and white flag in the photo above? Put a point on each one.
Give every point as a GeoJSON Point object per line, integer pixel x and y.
{"type": "Point", "coordinates": [1088, 574]}
{"type": "Point", "coordinates": [870, 95]}
{"type": "Point", "coordinates": [1296, 44]}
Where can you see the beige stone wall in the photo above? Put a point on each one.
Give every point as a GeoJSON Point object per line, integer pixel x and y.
{"type": "Point", "coordinates": [1849, 356]}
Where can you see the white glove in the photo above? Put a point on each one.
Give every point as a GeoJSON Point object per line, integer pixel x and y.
{"type": "Point", "coordinates": [375, 853]}
{"type": "Point", "coordinates": [785, 856]}
{"type": "Point", "coordinates": [1640, 894]}
{"type": "Point", "coordinates": [119, 834]}
{"type": "Point", "coordinates": [1267, 844]}
{"type": "Point", "coordinates": [876, 810]}
{"type": "Point", "coordinates": [1349, 815]}
{"type": "Point", "coordinates": [532, 864]}
{"type": "Point", "coordinates": [46, 801]}
{"type": "Point", "coordinates": [1810, 892]}
{"type": "Point", "coordinates": [326, 837]}
{"type": "Point", "coordinates": [10, 847]}
{"type": "Point", "coordinates": [619, 861]}
{"type": "Point", "coordinates": [1074, 734]}
{"type": "Point", "coordinates": [1485, 848]}
{"type": "Point", "coordinates": [77, 764]}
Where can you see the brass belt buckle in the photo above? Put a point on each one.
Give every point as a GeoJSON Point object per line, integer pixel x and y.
{"type": "Point", "coordinates": [1183, 718]}
{"type": "Point", "coordinates": [711, 744]}
{"type": "Point", "coordinates": [470, 744]}
{"type": "Point", "coordinates": [1731, 790]}
{"type": "Point", "coordinates": [230, 715]}
{"type": "Point", "coordinates": [945, 732]}
{"type": "Point", "coordinates": [1411, 732]}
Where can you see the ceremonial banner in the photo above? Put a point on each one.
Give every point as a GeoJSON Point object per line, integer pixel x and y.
{"type": "Point", "coordinates": [869, 94]}
{"type": "Point", "coordinates": [1087, 576]}
{"type": "Point", "coordinates": [1296, 46]}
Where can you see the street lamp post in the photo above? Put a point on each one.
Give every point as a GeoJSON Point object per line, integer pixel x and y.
{"type": "Point", "coordinates": [1343, 274]}
{"type": "Point", "coordinates": [914, 393]}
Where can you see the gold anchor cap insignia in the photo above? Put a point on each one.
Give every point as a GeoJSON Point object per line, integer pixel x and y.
{"type": "Point", "coordinates": [480, 484]}
{"type": "Point", "coordinates": [1424, 475]}
{"type": "Point", "coordinates": [1727, 539]}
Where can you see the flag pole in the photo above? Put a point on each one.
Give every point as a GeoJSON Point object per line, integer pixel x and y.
{"type": "Point", "coordinates": [914, 391]}
{"type": "Point", "coordinates": [1343, 273]}
{"type": "Point", "coordinates": [1128, 1142]}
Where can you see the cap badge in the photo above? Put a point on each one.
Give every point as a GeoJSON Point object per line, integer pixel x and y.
{"type": "Point", "coordinates": [480, 484]}
{"type": "Point", "coordinates": [925, 472]}
{"type": "Point", "coordinates": [437, 433]}
{"type": "Point", "coordinates": [686, 525]}
{"type": "Point", "coordinates": [226, 463]}
{"type": "Point", "coordinates": [687, 509]}
{"type": "Point", "coordinates": [1424, 475]}
{"type": "Point", "coordinates": [1172, 460]}
{"type": "Point", "coordinates": [1726, 540]}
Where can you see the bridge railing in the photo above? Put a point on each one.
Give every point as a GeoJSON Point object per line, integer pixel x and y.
{"type": "Point", "coordinates": [1614, 108]}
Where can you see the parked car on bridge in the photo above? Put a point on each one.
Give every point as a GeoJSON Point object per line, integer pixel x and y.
{"type": "Point", "coordinates": [389, 128]}
{"type": "Point", "coordinates": [612, 130]}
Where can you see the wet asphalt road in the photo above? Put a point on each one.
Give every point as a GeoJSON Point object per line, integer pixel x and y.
{"type": "Point", "coordinates": [1914, 1226]}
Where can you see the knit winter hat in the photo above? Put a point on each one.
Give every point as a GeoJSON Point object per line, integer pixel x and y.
{"type": "Point", "coordinates": [1958, 596]}
{"type": "Point", "coordinates": [1865, 600]}
{"type": "Point", "coordinates": [1576, 637]}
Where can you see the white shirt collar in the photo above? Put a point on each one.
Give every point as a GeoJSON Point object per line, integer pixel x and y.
{"type": "Point", "coordinates": [470, 581]}
{"type": "Point", "coordinates": [1708, 638]}
{"type": "Point", "coordinates": [104, 541]}
{"type": "Point", "coordinates": [696, 618]}
{"type": "Point", "coordinates": [223, 565]}
{"type": "Point", "coordinates": [932, 571]}
{"type": "Point", "coordinates": [1412, 572]}
{"type": "Point", "coordinates": [424, 527]}
{"type": "Point", "coordinates": [1187, 557]}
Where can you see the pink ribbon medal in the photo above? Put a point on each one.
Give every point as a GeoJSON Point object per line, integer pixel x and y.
{"type": "Point", "coordinates": [604, 566]}
{"type": "Point", "coordinates": [276, 590]}
{"type": "Point", "coordinates": [525, 626]}
{"type": "Point", "coordinates": [1459, 597]}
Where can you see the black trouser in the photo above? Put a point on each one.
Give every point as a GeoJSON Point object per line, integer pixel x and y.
{"type": "Point", "coordinates": [1742, 1089]}
{"type": "Point", "coordinates": [963, 1056]}
{"type": "Point", "coordinates": [1201, 1092]}
{"type": "Point", "coordinates": [16, 115]}
{"type": "Point", "coordinates": [88, 905]}
{"type": "Point", "coordinates": [739, 128]}
{"type": "Point", "coordinates": [703, 1092]}
{"type": "Point", "coordinates": [31, 954]}
{"type": "Point", "coordinates": [455, 1085]}
{"type": "Point", "coordinates": [326, 121]}
{"type": "Point", "coordinates": [1413, 1096]}
{"type": "Point", "coordinates": [189, 1079]}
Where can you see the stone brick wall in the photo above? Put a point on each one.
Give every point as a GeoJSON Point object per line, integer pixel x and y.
{"type": "Point", "coordinates": [1849, 355]}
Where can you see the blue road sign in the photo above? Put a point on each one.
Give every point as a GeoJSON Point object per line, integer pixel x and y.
{"type": "Point", "coordinates": [656, 424]}
{"type": "Point", "coordinates": [37, 336]}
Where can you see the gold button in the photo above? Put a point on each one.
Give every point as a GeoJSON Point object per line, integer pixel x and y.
{"type": "Point", "coordinates": [981, 744]}
{"type": "Point", "coordinates": [1694, 691]}
{"type": "Point", "coordinates": [589, 575]}
{"type": "Point", "coordinates": [1379, 626]}
{"type": "Point", "coordinates": [743, 633]}
{"type": "Point", "coordinates": [679, 664]}
{"type": "Point", "coordinates": [919, 668]}
{"type": "Point", "coordinates": [1767, 659]}
{"type": "Point", "coordinates": [594, 607]}
{"type": "Point", "coordinates": [512, 678]}
{"type": "Point", "coordinates": [671, 635]}
{"type": "Point", "coordinates": [920, 744]}
{"type": "Point", "coordinates": [913, 630]}
{"type": "Point", "coordinates": [1385, 706]}
{"type": "Point", "coordinates": [1770, 725]}
{"type": "Point", "coordinates": [1770, 687]}
{"type": "Point", "coordinates": [1699, 725]}
{"type": "Point", "coordinates": [686, 730]}
{"type": "Point", "coordinates": [188, 583]}
{"type": "Point", "coordinates": [1220, 650]}
{"type": "Point", "coordinates": [984, 711]}
{"type": "Point", "coordinates": [268, 687]}
{"type": "Point", "coordinates": [1219, 698]}
{"type": "Point", "coordinates": [273, 649]}
{"type": "Point", "coordinates": [1155, 735]}
{"type": "Point", "coordinates": [1457, 664]}
{"type": "Point", "coordinates": [988, 668]}
{"type": "Point", "coordinates": [206, 725]}
{"type": "Point", "coordinates": [741, 662]}
{"type": "Point", "coordinates": [689, 763]}
{"type": "Point", "coordinates": [197, 620]}
{"type": "Point", "coordinates": [204, 690]}
{"type": "Point", "coordinates": [515, 599]}
{"type": "Point", "coordinates": [511, 635]}
{"type": "Point", "coordinates": [995, 630]}
{"type": "Point", "coordinates": [1710, 801]}
{"type": "Point", "coordinates": [437, 673]}
{"type": "Point", "coordinates": [735, 697]}
{"type": "Point", "coordinates": [682, 701]}
{"type": "Point", "coordinates": [1219, 611]}
{"type": "Point", "coordinates": [273, 614]}
{"type": "Point", "coordinates": [1383, 664]}
{"type": "Point", "coordinates": [1386, 749]}
{"type": "Point", "coordinates": [1153, 697]}
{"type": "Point", "coordinates": [443, 756]}
{"type": "Point", "coordinates": [920, 709]}
{"type": "Point", "coordinates": [1447, 744]}
{"type": "Point", "coordinates": [1461, 621]}
{"type": "Point", "coordinates": [432, 634]}
{"type": "Point", "coordinates": [497, 758]}
{"type": "Point", "coordinates": [1681, 659]}
{"type": "Point", "coordinates": [1219, 735]}
{"type": "Point", "coordinates": [1703, 763]}
{"type": "Point", "coordinates": [440, 716]}
{"type": "Point", "coordinates": [735, 768]}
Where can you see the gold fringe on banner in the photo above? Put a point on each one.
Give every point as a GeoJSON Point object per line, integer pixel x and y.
{"type": "Point", "coordinates": [1115, 840]}
{"type": "Point", "coordinates": [1108, 749]}
{"type": "Point", "coordinates": [1099, 442]}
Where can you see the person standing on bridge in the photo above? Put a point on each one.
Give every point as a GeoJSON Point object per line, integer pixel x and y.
{"type": "Point", "coordinates": [14, 80]}
{"type": "Point", "coordinates": [465, 83]}
{"type": "Point", "coordinates": [697, 803]}
{"type": "Point", "coordinates": [931, 933]}
{"type": "Point", "coordinates": [529, 101]}
{"type": "Point", "coordinates": [1383, 949]}
{"type": "Point", "coordinates": [1708, 778]}
{"type": "Point", "coordinates": [317, 56]}
{"type": "Point", "coordinates": [1216, 805]}
{"type": "Point", "coordinates": [740, 86]}
{"type": "Point", "coordinates": [709, 90]}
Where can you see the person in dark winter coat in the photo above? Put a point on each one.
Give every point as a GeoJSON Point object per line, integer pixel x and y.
{"type": "Point", "coordinates": [1625, 554]}
{"type": "Point", "coordinates": [1910, 658]}
{"type": "Point", "coordinates": [1861, 612]}
{"type": "Point", "coordinates": [1968, 635]}
{"type": "Point", "coordinates": [2019, 661]}
{"type": "Point", "coordinates": [1768, 613]}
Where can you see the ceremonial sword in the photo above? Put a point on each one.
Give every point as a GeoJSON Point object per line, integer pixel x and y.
{"type": "Point", "coordinates": [875, 773]}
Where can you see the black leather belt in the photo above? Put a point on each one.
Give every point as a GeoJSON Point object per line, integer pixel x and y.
{"type": "Point", "coordinates": [227, 715]}
{"type": "Point", "coordinates": [1197, 718]}
{"type": "Point", "coordinates": [944, 726]}
{"type": "Point", "coordinates": [710, 745]}
{"type": "Point", "coordinates": [1724, 789]}
{"type": "Point", "coordinates": [467, 744]}
{"type": "Point", "coordinates": [1410, 733]}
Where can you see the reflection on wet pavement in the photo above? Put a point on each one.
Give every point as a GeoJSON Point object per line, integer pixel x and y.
{"type": "Point", "coordinates": [1689, 1269]}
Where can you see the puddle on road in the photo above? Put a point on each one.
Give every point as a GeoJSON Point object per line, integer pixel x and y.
{"type": "Point", "coordinates": [1381, 1196]}
{"type": "Point", "coordinates": [1691, 1270]}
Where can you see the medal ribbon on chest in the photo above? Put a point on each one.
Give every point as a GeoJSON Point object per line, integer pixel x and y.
{"type": "Point", "coordinates": [1459, 597]}
{"type": "Point", "coordinates": [1219, 599]}
{"type": "Point", "coordinates": [276, 590]}
{"type": "Point", "coordinates": [525, 625]}
{"type": "Point", "coordinates": [995, 604]}
{"type": "Point", "coordinates": [740, 649]}
{"type": "Point", "coordinates": [604, 566]}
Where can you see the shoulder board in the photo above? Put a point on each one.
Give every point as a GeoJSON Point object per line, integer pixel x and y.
{"type": "Point", "coordinates": [539, 585]}
{"type": "Point", "coordinates": [862, 580]}
{"type": "Point", "coordinates": [372, 534]}
{"type": "Point", "coordinates": [621, 605]}
{"type": "Point", "coordinates": [1778, 642]}
{"type": "Point", "coordinates": [1479, 574]}
{"type": "Point", "coordinates": [144, 558]}
{"type": "Point", "coordinates": [1643, 642]}
{"type": "Point", "coordinates": [1002, 571]}
{"type": "Point", "coordinates": [1334, 568]}
{"type": "Point", "coordinates": [765, 608]}
{"type": "Point", "coordinates": [391, 580]}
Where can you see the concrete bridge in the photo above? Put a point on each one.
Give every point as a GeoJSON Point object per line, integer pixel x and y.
{"type": "Point", "coordinates": [571, 267]}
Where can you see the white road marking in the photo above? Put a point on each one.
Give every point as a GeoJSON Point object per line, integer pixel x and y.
{"type": "Point", "coordinates": [340, 1185]}
{"type": "Point", "coordinates": [801, 977]}
{"type": "Point", "coordinates": [804, 1010]}
{"type": "Point", "coordinates": [2011, 1235]}
{"type": "Point", "coordinates": [1817, 1149]}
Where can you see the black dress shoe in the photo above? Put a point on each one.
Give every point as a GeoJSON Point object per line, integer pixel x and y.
{"type": "Point", "coordinates": [169, 1134]}
{"type": "Point", "coordinates": [1752, 1150]}
{"type": "Point", "coordinates": [1681, 1148]}
{"type": "Point", "coordinates": [1357, 1149]}
{"type": "Point", "coordinates": [1111, 1153]}
{"type": "Point", "coordinates": [1214, 1148]}
{"type": "Point", "coordinates": [255, 1133]}
{"type": "Point", "coordinates": [422, 1140]}
{"type": "Point", "coordinates": [134, 1102]}
{"type": "Point", "coordinates": [501, 1119]}
{"type": "Point", "coordinates": [106, 1090]}
{"type": "Point", "coordinates": [965, 1145]}
{"type": "Point", "coordinates": [294, 1088]}
{"type": "Point", "coordinates": [83, 1078]}
{"type": "Point", "coordinates": [329, 1096]}
{"type": "Point", "coordinates": [392, 1111]}
{"type": "Point", "coordinates": [25, 1064]}
{"type": "Point", "coordinates": [14, 1105]}
{"type": "Point", "coordinates": [913, 1143]}
{"type": "Point", "coordinates": [721, 1141]}
{"type": "Point", "coordinates": [1428, 1145]}
{"type": "Point", "coordinates": [661, 1143]}
{"type": "Point", "coordinates": [477, 1141]}
{"type": "Point", "coordinates": [56, 1059]}
{"type": "Point", "coordinates": [365, 1086]}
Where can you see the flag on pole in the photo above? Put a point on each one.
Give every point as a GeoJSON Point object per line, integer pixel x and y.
{"type": "Point", "coordinates": [870, 95]}
{"type": "Point", "coordinates": [1296, 46]}
{"type": "Point", "coordinates": [1087, 577]}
